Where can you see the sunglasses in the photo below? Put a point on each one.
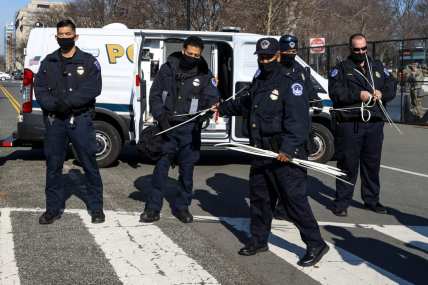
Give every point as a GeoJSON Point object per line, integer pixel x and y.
{"type": "Point", "coordinates": [359, 49]}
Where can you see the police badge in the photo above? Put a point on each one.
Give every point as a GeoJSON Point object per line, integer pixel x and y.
{"type": "Point", "coordinates": [274, 95]}
{"type": "Point", "coordinates": [377, 74]}
{"type": "Point", "coordinates": [80, 70]}
{"type": "Point", "coordinates": [196, 82]}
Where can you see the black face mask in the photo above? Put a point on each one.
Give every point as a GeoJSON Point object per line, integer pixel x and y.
{"type": "Point", "coordinates": [66, 44]}
{"type": "Point", "coordinates": [268, 68]}
{"type": "Point", "coordinates": [188, 62]}
{"type": "Point", "coordinates": [288, 60]}
{"type": "Point", "coordinates": [358, 57]}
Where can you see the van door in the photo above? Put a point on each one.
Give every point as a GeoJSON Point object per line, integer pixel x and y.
{"type": "Point", "coordinates": [139, 92]}
{"type": "Point", "coordinates": [146, 66]}
{"type": "Point", "coordinates": [244, 67]}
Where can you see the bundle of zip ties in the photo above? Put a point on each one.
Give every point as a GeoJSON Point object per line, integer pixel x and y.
{"type": "Point", "coordinates": [319, 167]}
{"type": "Point", "coordinates": [197, 114]}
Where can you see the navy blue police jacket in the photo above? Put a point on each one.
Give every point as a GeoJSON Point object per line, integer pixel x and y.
{"type": "Point", "coordinates": [277, 113]}
{"type": "Point", "coordinates": [298, 72]}
{"type": "Point", "coordinates": [76, 80]}
{"type": "Point", "coordinates": [172, 90]}
{"type": "Point", "coordinates": [347, 80]}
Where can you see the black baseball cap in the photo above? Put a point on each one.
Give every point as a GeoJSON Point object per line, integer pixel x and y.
{"type": "Point", "coordinates": [267, 46]}
{"type": "Point", "coordinates": [287, 42]}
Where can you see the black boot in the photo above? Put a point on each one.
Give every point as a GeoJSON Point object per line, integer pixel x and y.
{"type": "Point", "coordinates": [149, 216]}
{"type": "Point", "coordinates": [98, 217]}
{"type": "Point", "coordinates": [340, 212]}
{"type": "Point", "coordinates": [253, 248]}
{"type": "Point", "coordinates": [313, 255]}
{"type": "Point", "coordinates": [183, 215]}
{"type": "Point", "coordinates": [377, 208]}
{"type": "Point", "coordinates": [49, 217]}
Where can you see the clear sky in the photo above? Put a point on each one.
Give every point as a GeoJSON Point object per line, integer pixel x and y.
{"type": "Point", "coordinates": [8, 8]}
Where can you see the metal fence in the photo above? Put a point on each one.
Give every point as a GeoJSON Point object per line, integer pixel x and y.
{"type": "Point", "coordinates": [407, 61]}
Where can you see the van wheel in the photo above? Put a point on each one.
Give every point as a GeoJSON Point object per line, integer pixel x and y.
{"type": "Point", "coordinates": [321, 144]}
{"type": "Point", "coordinates": [109, 144]}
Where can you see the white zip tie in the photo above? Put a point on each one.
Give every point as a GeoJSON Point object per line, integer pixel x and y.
{"type": "Point", "coordinates": [319, 167]}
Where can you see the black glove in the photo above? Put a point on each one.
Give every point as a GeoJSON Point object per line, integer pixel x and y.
{"type": "Point", "coordinates": [62, 106]}
{"type": "Point", "coordinates": [207, 116]}
{"type": "Point", "coordinates": [163, 121]}
{"type": "Point", "coordinates": [318, 106]}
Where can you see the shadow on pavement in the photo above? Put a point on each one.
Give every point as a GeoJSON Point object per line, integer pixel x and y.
{"type": "Point", "coordinates": [381, 254]}
{"type": "Point", "coordinates": [144, 186]}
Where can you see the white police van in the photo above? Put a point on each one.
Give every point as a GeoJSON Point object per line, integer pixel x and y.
{"type": "Point", "coordinates": [129, 61]}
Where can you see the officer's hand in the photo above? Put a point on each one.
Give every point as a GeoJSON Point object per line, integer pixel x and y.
{"type": "Point", "coordinates": [282, 157]}
{"type": "Point", "coordinates": [163, 121]}
{"type": "Point", "coordinates": [377, 95]}
{"type": "Point", "coordinates": [62, 106]}
{"type": "Point", "coordinates": [317, 106]}
{"type": "Point", "coordinates": [365, 96]}
{"type": "Point", "coordinates": [214, 108]}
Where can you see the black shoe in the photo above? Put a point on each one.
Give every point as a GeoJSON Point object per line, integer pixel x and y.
{"type": "Point", "coordinates": [313, 255]}
{"type": "Point", "coordinates": [378, 208]}
{"type": "Point", "coordinates": [340, 212]}
{"type": "Point", "coordinates": [183, 215]}
{"type": "Point", "coordinates": [149, 216]}
{"type": "Point", "coordinates": [98, 217]}
{"type": "Point", "coordinates": [252, 248]}
{"type": "Point", "coordinates": [49, 217]}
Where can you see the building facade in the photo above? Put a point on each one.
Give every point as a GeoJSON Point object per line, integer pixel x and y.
{"type": "Point", "coordinates": [26, 19]}
{"type": "Point", "coordinates": [9, 47]}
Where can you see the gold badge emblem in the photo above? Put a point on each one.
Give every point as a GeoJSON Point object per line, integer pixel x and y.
{"type": "Point", "coordinates": [80, 70]}
{"type": "Point", "coordinates": [274, 95]}
{"type": "Point", "coordinates": [377, 74]}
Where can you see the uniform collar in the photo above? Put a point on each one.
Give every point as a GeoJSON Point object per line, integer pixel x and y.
{"type": "Point", "coordinates": [77, 57]}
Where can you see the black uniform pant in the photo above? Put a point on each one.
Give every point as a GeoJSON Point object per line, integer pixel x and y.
{"type": "Point", "coordinates": [359, 144]}
{"type": "Point", "coordinates": [178, 148]}
{"type": "Point", "coordinates": [59, 132]}
{"type": "Point", "coordinates": [291, 181]}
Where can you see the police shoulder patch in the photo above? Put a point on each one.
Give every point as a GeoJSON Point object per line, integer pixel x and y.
{"type": "Point", "coordinates": [257, 74]}
{"type": "Point", "coordinates": [297, 89]}
{"type": "Point", "coordinates": [97, 64]}
{"type": "Point", "coordinates": [214, 82]}
{"type": "Point", "coordinates": [334, 72]}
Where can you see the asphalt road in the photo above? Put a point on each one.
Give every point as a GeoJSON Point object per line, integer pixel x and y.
{"type": "Point", "coordinates": [366, 248]}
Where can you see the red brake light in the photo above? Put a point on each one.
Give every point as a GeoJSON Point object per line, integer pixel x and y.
{"type": "Point", "coordinates": [27, 91]}
{"type": "Point", "coordinates": [28, 77]}
{"type": "Point", "coordinates": [137, 80]}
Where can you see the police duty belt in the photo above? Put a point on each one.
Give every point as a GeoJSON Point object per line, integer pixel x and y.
{"type": "Point", "coordinates": [315, 166]}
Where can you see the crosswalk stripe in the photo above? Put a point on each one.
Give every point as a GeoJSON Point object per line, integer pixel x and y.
{"type": "Point", "coordinates": [416, 236]}
{"type": "Point", "coordinates": [8, 268]}
{"type": "Point", "coordinates": [143, 254]}
{"type": "Point", "coordinates": [337, 267]}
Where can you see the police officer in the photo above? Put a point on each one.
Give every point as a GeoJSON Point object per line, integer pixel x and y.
{"type": "Point", "coordinates": [183, 86]}
{"type": "Point", "coordinates": [359, 137]}
{"type": "Point", "coordinates": [65, 87]}
{"type": "Point", "coordinates": [278, 118]}
{"type": "Point", "coordinates": [289, 45]}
